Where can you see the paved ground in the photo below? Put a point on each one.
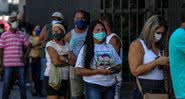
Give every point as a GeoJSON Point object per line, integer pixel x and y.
{"type": "Point", "coordinates": [126, 92]}
{"type": "Point", "coordinates": [15, 93]}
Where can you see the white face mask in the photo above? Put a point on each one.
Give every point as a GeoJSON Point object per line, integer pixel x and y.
{"type": "Point", "coordinates": [157, 37]}
{"type": "Point", "coordinates": [55, 22]}
{"type": "Point", "coordinates": [14, 25]}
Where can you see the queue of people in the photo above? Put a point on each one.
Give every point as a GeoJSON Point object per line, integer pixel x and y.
{"type": "Point", "coordinates": [86, 62]}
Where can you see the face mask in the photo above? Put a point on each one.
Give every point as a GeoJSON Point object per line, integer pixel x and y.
{"type": "Point", "coordinates": [55, 22]}
{"type": "Point", "coordinates": [1, 30]}
{"type": "Point", "coordinates": [157, 37]}
{"type": "Point", "coordinates": [99, 36]}
{"type": "Point", "coordinates": [80, 24]}
{"type": "Point", "coordinates": [57, 36]}
{"type": "Point", "coordinates": [14, 25]}
{"type": "Point", "coordinates": [37, 32]}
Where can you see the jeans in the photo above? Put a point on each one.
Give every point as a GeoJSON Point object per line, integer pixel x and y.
{"type": "Point", "coordinates": [8, 75]}
{"type": "Point", "coordinates": [43, 67]}
{"type": "Point", "coordinates": [94, 91]}
{"type": "Point", "coordinates": [36, 72]}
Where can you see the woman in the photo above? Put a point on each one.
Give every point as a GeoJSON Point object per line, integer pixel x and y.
{"type": "Point", "coordinates": [145, 58]}
{"type": "Point", "coordinates": [58, 59]}
{"type": "Point", "coordinates": [94, 65]}
{"type": "Point", "coordinates": [35, 62]}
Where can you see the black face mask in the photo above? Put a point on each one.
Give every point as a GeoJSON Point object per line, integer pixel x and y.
{"type": "Point", "coordinates": [57, 36]}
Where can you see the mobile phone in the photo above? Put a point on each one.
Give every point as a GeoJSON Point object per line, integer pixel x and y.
{"type": "Point", "coordinates": [114, 69]}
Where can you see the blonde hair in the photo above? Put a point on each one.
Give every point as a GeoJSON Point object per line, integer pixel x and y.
{"type": "Point", "coordinates": [149, 29]}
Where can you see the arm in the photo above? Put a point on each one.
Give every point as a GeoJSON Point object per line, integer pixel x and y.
{"type": "Point", "coordinates": [135, 57]}
{"type": "Point", "coordinates": [72, 59]}
{"type": "Point", "coordinates": [1, 57]}
{"type": "Point", "coordinates": [67, 38]}
{"type": "Point", "coordinates": [115, 42]}
{"type": "Point", "coordinates": [55, 58]}
{"type": "Point", "coordinates": [91, 72]}
{"type": "Point", "coordinates": [42, 37]}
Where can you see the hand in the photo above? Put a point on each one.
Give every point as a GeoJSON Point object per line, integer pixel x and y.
{"type": "Point", "coordinates": [72, 59]}
{"type": "Point", "coordinates": [104, 71]}
{"type": "Point", "coordinates": [163, 60]}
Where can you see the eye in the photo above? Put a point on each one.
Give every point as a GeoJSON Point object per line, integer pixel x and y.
{"type": "Point", "coordinates": [159, 32]}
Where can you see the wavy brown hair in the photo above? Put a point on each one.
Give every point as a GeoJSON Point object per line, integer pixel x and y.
{"type": "Point", "coordinates": [149, 29]}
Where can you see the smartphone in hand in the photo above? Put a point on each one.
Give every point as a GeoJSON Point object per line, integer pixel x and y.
{"type": "Point", "coordinates": [114, 69]}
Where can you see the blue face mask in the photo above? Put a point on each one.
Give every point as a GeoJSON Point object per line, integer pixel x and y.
{"type": "Point", "coordinates": [80, 24]}
{"type": "Point", "coordinates": [99, 36]}
{"type": "Point", "coordinates": [37, 32]}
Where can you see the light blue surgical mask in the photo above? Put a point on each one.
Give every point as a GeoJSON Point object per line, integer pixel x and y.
{"type": "Point", "coordinates": [99, 36]}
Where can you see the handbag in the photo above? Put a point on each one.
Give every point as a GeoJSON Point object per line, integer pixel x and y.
{"type": "Point", "coordinates": [55, 77]}
{"type": "Point", "coordinates": [150, 95]}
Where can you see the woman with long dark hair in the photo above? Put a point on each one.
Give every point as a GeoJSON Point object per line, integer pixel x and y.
{"type": "Point", "coordinates": [97, 62]}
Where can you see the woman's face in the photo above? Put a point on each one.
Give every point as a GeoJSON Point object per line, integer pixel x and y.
{"type": "Point", "coordinates": [99, 34]}
{"type": "Point", "coordinates": [161, 29]}
{"type": "Point", "coordinates": [159, 33]}
{"type": "Point", "coordinates": [57, 30]}
{"type": "Point", "coordinates": [98, 28]}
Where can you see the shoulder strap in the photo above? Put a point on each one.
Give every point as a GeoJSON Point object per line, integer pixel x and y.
{"type": "Point", "coordinates": [109, 37]}
{"type": "Point", "coordinates": [139, 86]}
{"type": "Point", "coordinates": [144, 45]}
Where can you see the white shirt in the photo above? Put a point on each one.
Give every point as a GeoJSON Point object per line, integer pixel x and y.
{"type": "Point", "coordinates": [149, 56]}
{"type": "Point", "coordinates": [104, 57]}
{"type": "Point", "coordinates": [61, 50]}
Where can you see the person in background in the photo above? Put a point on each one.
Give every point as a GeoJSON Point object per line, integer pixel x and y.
{"type": "Point", "coordinates": [35, 62]}
{"type": "Point", "coordinates": [177, 59]}
{"type": "Point", "coordinates": [115, 41]}
{"type": "Point", "coordinates": [11, 43]}
{"type": "Point", "coordinates": [45, 34]}
{"type": "Point", "coordinates": [146, 59]}
{"type": "Point", "coordinates": [2, 30]}
{"type": "Point", "coordinates": [98, 76]}
{"type": "Point", "coordinates": [76, 38]}
{"type": "Point", "coordinates": [58, 57]}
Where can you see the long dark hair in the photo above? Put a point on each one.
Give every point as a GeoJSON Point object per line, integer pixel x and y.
{"type": "Point", "coordinates": [89, 44]}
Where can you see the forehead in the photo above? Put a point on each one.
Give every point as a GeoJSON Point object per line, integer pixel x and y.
{"type": "Point", "coordinates": [79, 14]}
{"type": "Point", "coordinates": [98, 26]}
{"type": "Point", "coordinates": [56, 28]}
{"type": "Point", "coordinates": [160, 29]}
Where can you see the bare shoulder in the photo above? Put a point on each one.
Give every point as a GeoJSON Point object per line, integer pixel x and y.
{"type": "Point", "coordinates": [136, 45]}
{"type": "Point", "coordinates": [67, 37]}
{"type": "Point", "coordinates": [115, 40]}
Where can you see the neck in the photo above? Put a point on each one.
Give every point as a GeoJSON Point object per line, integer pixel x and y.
{"type": "Point", "coordinates": [98, 42]}
{"type": "Point", "coordinates": [13, 30]}
{"type": "Point", "coordinates": [79, 30]}
{"type": "Point", "coordinates": [183, 25]}
{"type": "Point", "coordinates": [59, 42]}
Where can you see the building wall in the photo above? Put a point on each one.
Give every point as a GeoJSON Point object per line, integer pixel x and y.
{"type": "Point", "coordinates": [3, 6]}
{"type": "Point", "coordinates": [39, 11]}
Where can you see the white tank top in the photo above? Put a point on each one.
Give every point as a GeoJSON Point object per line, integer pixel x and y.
{"type": "Point", "coordinates": [149, 56]}
{"type": "Point", "coordinates": [108, 40]}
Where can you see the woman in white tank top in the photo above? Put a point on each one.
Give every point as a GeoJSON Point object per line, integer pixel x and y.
{"type": "Point", "coordinates": [145, 60]}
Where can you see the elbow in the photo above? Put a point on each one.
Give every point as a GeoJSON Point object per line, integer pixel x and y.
{"type": "Point", "coordinates": [135, 73]}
